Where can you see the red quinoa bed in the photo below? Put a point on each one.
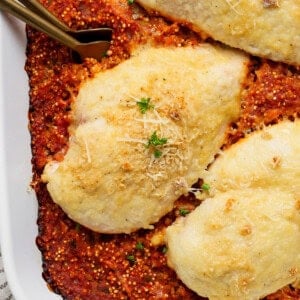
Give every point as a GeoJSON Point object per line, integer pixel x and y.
{"type": "Point", "coordinates": [79, 263]}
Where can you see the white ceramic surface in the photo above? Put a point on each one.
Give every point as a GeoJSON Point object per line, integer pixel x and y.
{"type": "Point", "coordinates": [18, 206]}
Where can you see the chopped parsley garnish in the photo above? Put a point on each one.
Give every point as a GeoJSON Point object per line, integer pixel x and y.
{"type": "Point", "coordinates": [164, 249]}
{"type": "Point", "coordinates": [183, 211]}
{"type": "Point", "coordinates": [205, 187]}
{"type": "Point", "coordinates": [130, 1]}
{"type": "Point", "coordinates": [154, 140]}
{"type": "Point", "coordinates": [139, 246]}
{"type": "Point", "coordinates": [131, 259]}
{"type": "Point", "coordinates": [77, 227]}
{"type": "Point", "coordinates": [157, 153]}
{"type": "Point", "coordinates": [144, 105]}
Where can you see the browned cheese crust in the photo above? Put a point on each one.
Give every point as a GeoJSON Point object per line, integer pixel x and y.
{"type": "Point", "coordinates": [81, 264]}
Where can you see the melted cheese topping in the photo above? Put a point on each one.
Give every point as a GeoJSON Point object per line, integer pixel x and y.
{"type": "Point", "coordinates": [253, 26]}
{"type": "Point", "coordinates": [110, 180]}
{"type": "Point", "coordinates": [268, 158]}
{"type": "Point", "coordinates": [243, 243]}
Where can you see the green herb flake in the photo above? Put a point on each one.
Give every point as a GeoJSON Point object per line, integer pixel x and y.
{"type": "Point", "coordinates": [139, 246]}
{"type": "Point", "coordinates": [144, 105]}
{"type": "Point", "coordinates": [164, 249]}
{"type": "Point", "coordinates": [157, 153]}
{"type": "Point", "coordinates": [77, 227]}
{"type": "Point", "coordinates": [154, 140]}
{"type": "Point", "coordinates": [130, 2]}
{"type": "Point", "coordinates": [131, 259]}
{"type": "Point", "coordinates": [205, 187]}
{"type": "Point", "coordinates": [183, 212]}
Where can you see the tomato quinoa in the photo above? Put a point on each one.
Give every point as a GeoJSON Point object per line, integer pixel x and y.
{"type": "Point", "coordinates": [79, 263]}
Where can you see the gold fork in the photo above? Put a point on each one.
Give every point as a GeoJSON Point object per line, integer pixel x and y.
{"type": "Point", "coordinates": [87, 43]}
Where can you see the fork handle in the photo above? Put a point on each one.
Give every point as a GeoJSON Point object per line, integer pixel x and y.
{"type": "Point", "coordinates": [39, 9]}
{"type": "Point", "coordinates": [29, 17]}
{"type": "Point", "coordinates": [81, 35]}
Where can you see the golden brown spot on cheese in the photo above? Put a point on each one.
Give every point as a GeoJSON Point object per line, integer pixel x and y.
{"type": "Point", "coordinates": [293, 271]}
{"type": "Point", "coordinates": [229, 204]}
{"type": "Point", "coordinates": [246, 230]}
{"type": "Point", "coordinates": [266, 135]}
{"type": "Point", "coordinates": [215, 226]}
{"type": "Point", "coordinates": [270, 3]}
{"type": "Point", "coordinates": [276, 161]}
{"type": "Point", "coordinates": [127, 167]}
{"type": "Point", "coordinates": [298, 204]}
{"type": "Point", "coordinates": [243, 282]}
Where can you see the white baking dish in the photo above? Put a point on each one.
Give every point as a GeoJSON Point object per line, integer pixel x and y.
{"type": "Point", "coordinates": [18, 206]}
